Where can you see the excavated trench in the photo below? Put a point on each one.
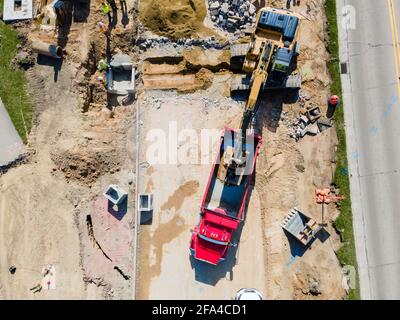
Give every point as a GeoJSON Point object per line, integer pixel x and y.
{"type": "Point", "coordinates": [92, 237]}
{"type": "Point", "coordinates": [195, 69]}
{"type": "Point", "coordinates": [96, 244]}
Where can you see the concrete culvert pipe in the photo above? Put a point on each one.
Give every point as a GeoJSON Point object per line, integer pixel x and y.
{"type": "Point", "coordinates": [47, 49]}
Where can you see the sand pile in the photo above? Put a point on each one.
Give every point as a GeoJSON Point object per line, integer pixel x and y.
{"type": "Point", "coordinates": [174, 18]}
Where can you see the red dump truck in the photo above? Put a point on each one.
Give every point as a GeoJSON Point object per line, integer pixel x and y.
{"type": "Point", "coordinates": [224, 201]}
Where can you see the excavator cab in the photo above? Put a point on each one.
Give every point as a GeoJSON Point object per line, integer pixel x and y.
{"type": "Point", "coordinates": [277, 29]}
{"type": "Point", "coordinates": [281, 67]}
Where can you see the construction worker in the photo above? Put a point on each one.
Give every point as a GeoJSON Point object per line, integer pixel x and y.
{"type": "Point", "coordinates": [102, 27]}
{"type": "Point", "coordinates": [112, 4]}
{"type": "Point", "coordinates": [106, 10]}
{"type": "Point", "coordinates": [102, 65]}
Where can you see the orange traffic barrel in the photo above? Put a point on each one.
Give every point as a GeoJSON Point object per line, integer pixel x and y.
{"type": "Point", "coordinates": [334, 100]}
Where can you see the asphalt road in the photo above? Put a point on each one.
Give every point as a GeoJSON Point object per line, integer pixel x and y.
{"type": "Point", "coordinates": [11, 146]}
{"type": "Point", "coordinates": [371, 49]}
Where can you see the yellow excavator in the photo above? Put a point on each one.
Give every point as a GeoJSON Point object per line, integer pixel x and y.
{"type": "Point", "coordinates": [267, 63]}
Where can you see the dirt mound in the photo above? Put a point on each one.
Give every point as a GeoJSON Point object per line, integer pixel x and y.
{"type": "Point", "coordinates": [214, 60]}
{"type": "Point", "coordinates": [174, 18]}
{"type": "Point", "coordinates": [85, 165]}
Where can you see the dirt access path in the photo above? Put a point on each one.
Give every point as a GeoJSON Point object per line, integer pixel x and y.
{"type": "Point", "coordinates": [288, 172]}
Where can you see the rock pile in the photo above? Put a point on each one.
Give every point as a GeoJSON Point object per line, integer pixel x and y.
{"type": "Point", "coordinates": [207, 43]}
{"type": "Point", "coordinates": [310, 122]}
{"type": "Point", "coordinates": [232, 15]}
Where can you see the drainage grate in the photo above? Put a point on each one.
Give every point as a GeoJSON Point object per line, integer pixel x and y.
{"type": "Point", "coordinates": [343, 68]}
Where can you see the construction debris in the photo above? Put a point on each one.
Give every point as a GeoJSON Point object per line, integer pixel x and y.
{"type": "Point", "coordinates": [310, 122]}
{"type": "Point", "coordinates": [313, 114]}
{"type": "Point", "coordinates": [324, 124]}
{"type": "Point", "coordinates": [314, 287]}
{"type": "Point", "coordinates": [24, 60]}
{"type": "Point", "coordinates": [205, 43]}
{"type": "Point", "coordinates": [232, 15]}
{"type": "Point", "coordinates": [327, 196]}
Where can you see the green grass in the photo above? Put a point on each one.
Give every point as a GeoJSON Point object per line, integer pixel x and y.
{"type": "Point", "coordinates": [13, 82]}
{"type": "Point", "coordinates": [344, 223]}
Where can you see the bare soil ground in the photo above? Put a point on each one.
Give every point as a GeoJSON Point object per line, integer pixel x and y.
{"type": "Point", "coordinates": [52, 208]}
{"type": "Point", "coordinates": [175, 18]}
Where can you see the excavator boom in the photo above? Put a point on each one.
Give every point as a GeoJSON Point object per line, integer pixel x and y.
{"type": "Point", "coordinates": [269, 58]}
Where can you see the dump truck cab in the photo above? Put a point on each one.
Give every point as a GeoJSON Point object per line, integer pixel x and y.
{"type": "Point", "coordinates": [211, 238]}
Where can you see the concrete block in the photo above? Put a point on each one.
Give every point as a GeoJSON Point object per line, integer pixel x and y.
{"type": "Point", "coordinates": [114, 194]}
{"type": "Point", "coordinates": [225, 8]}
{"type": "Point", "coordinates": [145, 202]}
{"type": "Point", "coordinates": [215, 5]}
{"type": "Point", "coordinates": [17, 10]}
{"type": "Point", "coordinates": [252, 9]}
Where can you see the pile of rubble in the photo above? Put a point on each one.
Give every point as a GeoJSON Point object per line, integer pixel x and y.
{"type": "Point", "coordinates": [232, 15]}
{"type": "Point", "coordinates": [207, 43]}
{"type": "Point", "coordinates": [310, 122]}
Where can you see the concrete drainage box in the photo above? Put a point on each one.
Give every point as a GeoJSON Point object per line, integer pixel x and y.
{"type": "Point", "coordinates": [114, 194]}
{"type": "Point", "coordinates": [145, 202]}
{"type": "Point", "coordinates": [300, 226]}
{"type": "Point", "coordinates": [17, 10]}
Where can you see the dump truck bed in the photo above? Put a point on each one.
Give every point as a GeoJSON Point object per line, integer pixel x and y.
{"type": "Point", "coordinates": [230, 199]}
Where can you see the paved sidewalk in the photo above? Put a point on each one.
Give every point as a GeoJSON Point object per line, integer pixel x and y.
{"type": "Point", "coordinates": [369, 46]}
{"type": "Point", "coordinates": [11, 146]}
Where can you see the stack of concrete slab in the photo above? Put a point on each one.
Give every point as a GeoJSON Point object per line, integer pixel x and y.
{"type": "Point", "coordinates": [11, 146]}
{"type": "Point", "coordinates": [232, 15]}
